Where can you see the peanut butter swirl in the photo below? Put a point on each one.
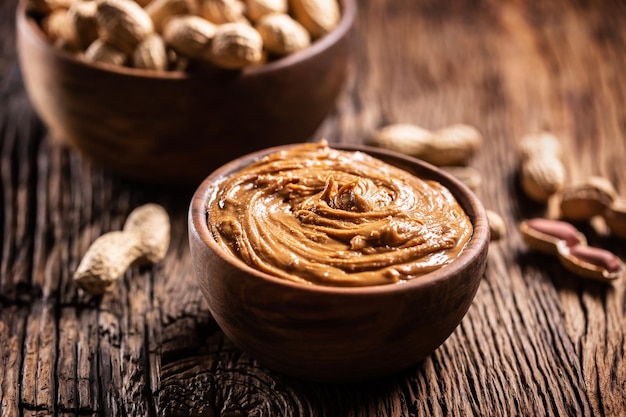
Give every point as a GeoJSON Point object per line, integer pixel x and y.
{"type": "Point", "coordinates": [317, 215]}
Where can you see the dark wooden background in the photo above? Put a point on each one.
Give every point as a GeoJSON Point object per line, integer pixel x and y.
{"type": "Point", "coordinates": [536, 341]}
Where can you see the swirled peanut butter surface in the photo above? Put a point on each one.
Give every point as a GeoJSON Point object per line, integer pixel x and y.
{"type": "Point", "coordinates": [318, 215]}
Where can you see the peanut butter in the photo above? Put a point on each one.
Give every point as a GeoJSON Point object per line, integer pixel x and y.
{"type": "Point", "coordinates": [317, 215]}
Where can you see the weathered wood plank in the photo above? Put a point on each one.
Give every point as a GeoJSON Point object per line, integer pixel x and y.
{"type": "Point", "coordinates": [536, 341]}
{"type": "Point", "coordinates": [12, 334]}
{"type": "Point", "coordinates": [38, 382]}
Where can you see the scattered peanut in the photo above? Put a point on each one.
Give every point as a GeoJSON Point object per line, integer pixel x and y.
{"type": "Point", "coordinates": [404, 138]}
{"type": "Point", "coordinates": [589, 262]}
{"type": "Point", "coordinates": [543, 234]}
{"type": "Point", "coordinates": [564, 240]}
{"type": "Point", "coordinates": [236, 45]}
{"type": "Point", "coordinates": [282, 35]}
{"type": "Point", "coordinates": [497, 227]}
{"type": "Point", "coordinates": [452, 145]}
{"type": "Point", "coordinates": [542, 174]}
{"type": "Point", "coordinates": [594, 198]}
{"type": "Point", "coordinates": [537, 144]}
{"type": "Point", "coordinates": [587, 198]}
{"type": "Point", "coordinates": [123, 23]}
{"type": "Point", "coordinates": [144, 239]}
{"type": "Point", "coordinates": [541, 178]}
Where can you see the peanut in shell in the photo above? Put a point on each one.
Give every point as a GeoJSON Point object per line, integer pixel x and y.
{"type": "Point", "coordinates": [282, 35]}
{"type": "Point", "coordinates": [151, 54]}
{"type": "Point", "coordinates": [318, 16]}
{"type": "Point", "coordinates": [102, 52]}
{"type": "Point", "coordinates": [256, 9]}
{"type": "Point", "coordinates": [189, 36]}
{"type": "Point", "coordinates": [586, 198]}
{"type": "Point", "coordinates": [123, 23]}
{"type": "Point", "coordinates": [236, 46]}
{"type": "Point", "coordinates": [222, 11]}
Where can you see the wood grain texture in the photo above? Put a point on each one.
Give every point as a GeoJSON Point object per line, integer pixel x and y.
{"type": "Point", "coordinates": [536, 340]}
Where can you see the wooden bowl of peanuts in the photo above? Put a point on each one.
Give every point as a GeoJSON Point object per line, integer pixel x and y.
{"type": "Point", "coordinates": [167, 91]}
{"type": "Point", "coordinates": [328, 298]}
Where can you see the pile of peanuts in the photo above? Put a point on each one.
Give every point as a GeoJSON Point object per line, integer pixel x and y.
{"type": "Point", "coordinates": [166, 34]}
{"type": "Point", "coordinates": [543, 177]}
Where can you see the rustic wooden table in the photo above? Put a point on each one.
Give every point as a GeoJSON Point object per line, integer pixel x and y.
{"type": "Point", "coordinates": [536, 341]}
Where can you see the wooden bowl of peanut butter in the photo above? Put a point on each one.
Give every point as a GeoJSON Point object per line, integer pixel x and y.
{"type": "Point", "coordinates": [336, 264]}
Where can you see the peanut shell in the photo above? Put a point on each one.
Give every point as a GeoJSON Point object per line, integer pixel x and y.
{"type": "Point", "coordinates": [587, 198]}
{"type": "Point", "coordinates": [144, 239]}
{"type": "Point", "coordinates": [106, 260]}
{"type": "Point", "coordinates": [222, 11]}
{"type": "Point", "coordinates": [539, 144]}
{"type": "Point", "coordinates": [544, 234]}
{"type": "Point", "coordinates": [123, 23]}
{"type": "Point", "coordinates": [318, 16]}
{"type": "Point", "coordinates": [236, 45]}
{"type": "Point", "coordinates": [256, 9]}
{"type": "Point", "coordinates": [151, 223]}
{"type": "Point", "coordinates": [497, 226]}
{"type": "Point", "coordinates": [453, 145]}
{"type": "Point", "coordinates": [282, 35]}
{"type": "Point", "coordinates": [405, 138]}
{"type": "Point", "coordinates": [590, 262]}
{"type": "Point", "coordinates": [151, 54]}
{"type": "Point", "coordinates": [541, 177]}
{"type": "Point", "coordinates": [102, 52]}
{"type": "Point", "coordinates": [59, 31]}
{"type": "Point", "coordinates": [82, 17]}
{"type": "Point", "coordinates": [189, 36]}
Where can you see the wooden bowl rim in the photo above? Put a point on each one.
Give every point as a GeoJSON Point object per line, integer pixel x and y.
{"type": "Point", "coordinates": [478, 242]}
{"type": "Point", "coordinates": [348, 17]}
